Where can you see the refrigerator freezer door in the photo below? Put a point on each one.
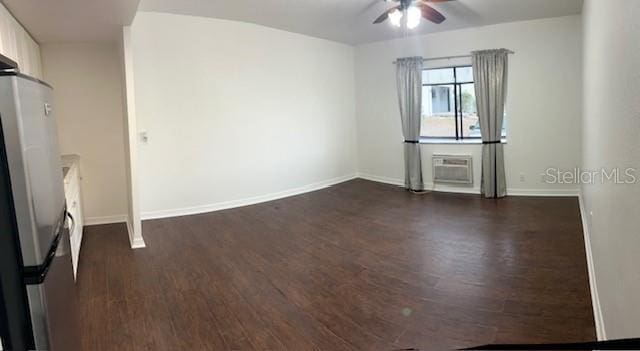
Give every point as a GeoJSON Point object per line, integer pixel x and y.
{"type": "Point", "coordinates": [54, 313]}
{"type": "Point", "coordinates": [31, 142]}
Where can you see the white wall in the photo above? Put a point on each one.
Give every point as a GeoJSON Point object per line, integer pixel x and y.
{"type": "Point", "coordinates": [611, 139]}
{"type": "Point", "coordinates": [18, 45]}
{"type": "Point", "coordinates": [543, 106]}
{"type": "Point", "coordinates": [88, 102]}
{"type": "Point", "coordinates": [134, 223]}
{"type": "Point", "coordinates": [236, 111]}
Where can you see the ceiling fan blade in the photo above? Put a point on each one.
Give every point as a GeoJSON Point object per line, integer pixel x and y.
{"type": "Point", "coordinates": [385, 15]}
{"type": "Point", "coordinates": [431, 14]}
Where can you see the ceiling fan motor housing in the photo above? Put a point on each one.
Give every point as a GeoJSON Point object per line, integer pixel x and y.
{"type": "Point", "coordinates": [427, 12]}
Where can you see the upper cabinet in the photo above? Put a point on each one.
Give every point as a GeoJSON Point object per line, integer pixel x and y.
{"type": "Point", "coordinates": [18, 45]}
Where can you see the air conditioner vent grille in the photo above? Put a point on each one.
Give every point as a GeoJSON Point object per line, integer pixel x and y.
{"type": "Point", "coordinates": [452, 169]}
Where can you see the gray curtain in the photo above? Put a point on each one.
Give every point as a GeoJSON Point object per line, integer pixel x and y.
{"type": "Point", "coordinates": [490, 76]}
{"type": "Point", "coordinates": [409, 80]}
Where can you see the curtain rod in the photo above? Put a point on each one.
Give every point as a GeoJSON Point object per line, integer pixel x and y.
{"type": "Point", "coordinates": [450, 57]}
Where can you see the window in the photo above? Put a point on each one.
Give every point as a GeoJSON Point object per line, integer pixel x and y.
{"type": "Point", "coordinates": [449, 104]}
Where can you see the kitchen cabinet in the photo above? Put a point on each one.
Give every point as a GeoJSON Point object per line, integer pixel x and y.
{"type": "Point", "coordinates": [18, 45]}
{"type": "Point", "coordinates": [73, 194]}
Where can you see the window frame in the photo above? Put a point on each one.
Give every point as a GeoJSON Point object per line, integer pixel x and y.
{"type": "Point", "coordinates": [457, 104]}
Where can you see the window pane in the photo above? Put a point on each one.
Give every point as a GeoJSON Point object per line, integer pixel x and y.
{"type": "Point", "coordinates": [470, 125]}
{"type": "Point", "coordinates": [464, 74]}
{"type": "Point", "coordinates": [437, 76]}
{"type": "Point", "coordinates": [438, 116]}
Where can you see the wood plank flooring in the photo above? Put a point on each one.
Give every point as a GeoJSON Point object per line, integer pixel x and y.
{"type": "Point", "coordinates": [358, 266]}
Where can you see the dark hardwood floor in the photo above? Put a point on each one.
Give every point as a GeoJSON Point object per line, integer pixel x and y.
{"type": "Point", "coordinates": [358, 266]}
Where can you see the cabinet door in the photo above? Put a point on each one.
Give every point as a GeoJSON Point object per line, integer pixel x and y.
{"type": "Point", "coordinates": [18, 45]}
{"type": "Point", "coordinates": [75, 238]}
{"type": "Point", "coordinates": [75, 249]}
{"type": "Point", "coordinates": [8, 34]}
{"type": "Point", "coordinates": [24, 57]}
{"type": "Point", "coordinates": [80, 218]}
{"type": "Point", "coordinates": [36, 60]}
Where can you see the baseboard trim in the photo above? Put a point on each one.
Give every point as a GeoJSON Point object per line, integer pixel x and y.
{"type": "Point", "coordinates": [246, 201]}
{"type": "Point", "coordinates": [379, 179]}
{"type": "Point", "coordinates": [595, 299]}
{"type": "Point", "coordinates": [445, 188]}
{"type": "Point", "coordinates": [474, 190]}
{"type": "Point", "coordinates": [544, 192]}
{"type": "Point", "coordinates": [427, 186]}
{"type": "Point", "coordinates": [136, 243]}
{"type": "Point", "coordinates": [106, 220]}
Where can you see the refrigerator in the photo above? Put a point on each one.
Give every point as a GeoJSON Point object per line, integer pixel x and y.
{"type": "Point", "coordinates": [37, 290]}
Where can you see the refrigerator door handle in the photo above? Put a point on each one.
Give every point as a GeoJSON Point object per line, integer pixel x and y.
{"type": "Point", "coordinates": [34, 275]}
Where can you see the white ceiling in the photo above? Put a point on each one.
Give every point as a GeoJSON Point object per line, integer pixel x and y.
{"type": "Point", "coordinates": [51, 21]}
{"type": "Point", "coordinates": [350, 21]}
{"type": "Point", "coordinates": [347, 21]}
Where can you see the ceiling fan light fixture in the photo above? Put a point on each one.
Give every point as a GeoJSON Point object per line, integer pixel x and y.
{"type": "Point", "coordinates": [395, 17]}
{"type": "Point", "coordinates": [413, 17]}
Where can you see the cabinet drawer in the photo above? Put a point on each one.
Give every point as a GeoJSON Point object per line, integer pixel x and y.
{"type": "Point", "coordinates": [72, 181]}
{"type": "Point", "coordinates": [75, 238]}
{"type": "Point", "coordinates": [72, 192]}
{"type": "Point", "coordinates": [73, 207]}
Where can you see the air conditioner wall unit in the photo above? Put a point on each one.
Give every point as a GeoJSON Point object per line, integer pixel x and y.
{"type": "Point", "coordinates": [457, 169]}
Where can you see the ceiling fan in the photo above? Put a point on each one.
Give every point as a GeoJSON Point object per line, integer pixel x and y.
{"type": "Point", "coordinates": [413, 10]}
